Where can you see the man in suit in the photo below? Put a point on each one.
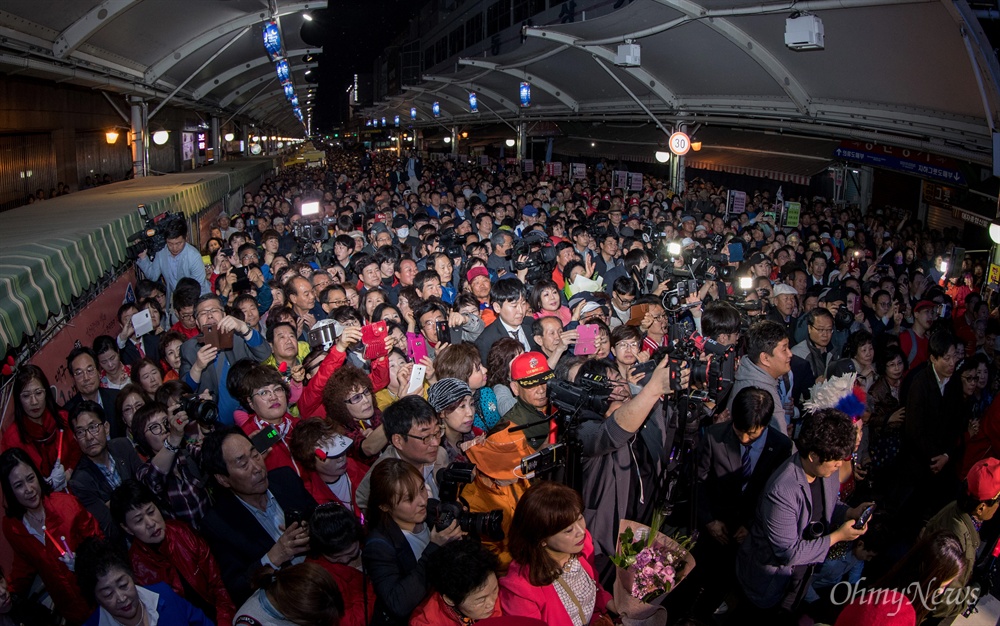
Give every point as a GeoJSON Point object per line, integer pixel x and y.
{"type": "Point", "coordinates": [86, 373]}
{"type": "Point", "coordinates": [817, 270]}
{"type": "Point", "coordinates": [932, 435]}
{"type": "Point", "coordinates": [509, 303]}
{"type": "Point", "coordinates": [798, 519]}
{"type": "Point", "coordinates": [103, 466]}
{"type": "Point", "coordinates": [205, 367]}
{"type": "Point", "coordinates": [254, 519]}
{"type": "Point", "coordinates": [733, 462]}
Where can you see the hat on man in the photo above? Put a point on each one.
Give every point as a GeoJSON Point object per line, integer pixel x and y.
{"type": "Point", "coordinates": [833, 295]}
{"type": "Point", "coordinates": [687, 218]}
{"type": "Point", "coordinates": [924, 304]}
{"type": "Point", "coordinates": [759, 257]}
{"type": "Point", "coordinates": [400, 221]}
{"type": "Point", "coordinates": [379, 227]}
{"type": "Point", "coordinates": [700, 228]}
{"type": "Point", "coordinates": [476, 272]}
{"type": "Point", "coordinates": [687, 241]}
{"type": "Point", "coordinates": [984, 480]}
{"type": "Point", "coordinates": [781, 289]}
{"type": "Point", "coordinates": [530, 369]}
{"type": "Point", "coordinates": [447, 392]}
{"type": "Point", "coordinates": [634, 202]}
{"type": "Point", "coordinates": [529, 210]}
{"type": "Point", "coordinates": [499, 455]}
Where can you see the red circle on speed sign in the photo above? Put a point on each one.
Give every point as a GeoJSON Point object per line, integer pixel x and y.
{"type": "Point", "coordinates": [680, 143]}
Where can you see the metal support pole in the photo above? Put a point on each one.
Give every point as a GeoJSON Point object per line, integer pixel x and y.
{"type": "Point", "coordinates": [139, 167]}
{"type": "Point", "coordinates": [455, 136]}
{"type": "Point", "coordinates": [522, 139]}
{"type": "Point", "coordinates": [216, 139]}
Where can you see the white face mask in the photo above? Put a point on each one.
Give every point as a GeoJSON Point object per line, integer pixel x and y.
{"type": "Point", "coordinates": [402, 233]}
{"type": "Point", "coordinates": [850, 234]}
{"type": "Point", "coordinates": [827, 254]}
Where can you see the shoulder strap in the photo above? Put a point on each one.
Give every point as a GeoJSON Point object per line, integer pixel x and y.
{"type": "Point", "coordinates": [913, 345]}
{"type": "Point", "coordinates": [572, 597]}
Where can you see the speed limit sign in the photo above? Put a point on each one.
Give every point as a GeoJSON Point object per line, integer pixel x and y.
{"type": "Point", "coordinates": [680, 143]}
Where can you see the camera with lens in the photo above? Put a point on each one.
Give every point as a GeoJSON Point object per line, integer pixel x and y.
{"type": "Point", "coordinates": [447, 508]}
{"type": "Point", "coordinates": [153, 237]}
{"type": "Point", "coordinates": [590, 392]}
{"type": "Point", "coordinates": [533, 252]}
{"type": "Point", "coordinates": [843, 318]}
{"type": "Point", "coordinates": [205, 412]}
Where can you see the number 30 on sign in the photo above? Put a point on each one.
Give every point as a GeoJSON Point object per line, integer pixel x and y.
{"type": "Point", "coordinates": [680, 143]}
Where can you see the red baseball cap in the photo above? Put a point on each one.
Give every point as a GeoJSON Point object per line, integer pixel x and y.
{"type": "Point", "coordinates": [924, 304]}
{"type": "Point", "coordinates": [984, 480]}
{"type": "Point", "coordinates": [530, 369]}
{"type": "Point", "coordinates": [475, 272]}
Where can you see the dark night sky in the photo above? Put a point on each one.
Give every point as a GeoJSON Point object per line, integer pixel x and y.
{"type": "Point", "coordinates": [353, 34]}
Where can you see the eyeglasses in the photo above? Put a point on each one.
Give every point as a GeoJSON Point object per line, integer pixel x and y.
{"type": "Point", "coordinates": [208, 313]}
{"type": "Point", "coordinates": [337, 302]}
{"type": "Point", "coordinates": [430, 323]}
{"type": "Point", "coordinates": [822, 331]}
{"type": "Point", "coordinates": [81, 372]}
{"type": "Point", "coordinates": [158, 428]}
{"type": "Point", "coordinates": [626, 345]}
{"type": "Point", "coordinates": [186, 316]}
{"type": "Point", "coordinates": [91, 430]}
{"type": "Point", "coordinates": [249, 255]}
{"type": "Point", "coordinates": [269, 391]}
{"type": "Point", "coordinates": [436, 435]}
{"type": "Point", "coordinates": [358, 397]}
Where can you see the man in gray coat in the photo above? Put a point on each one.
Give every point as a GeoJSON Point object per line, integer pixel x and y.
{"type": "Point", "coordinates": [204, 366]}
{"type": "Point", "coordinates": [767, 365]}
{"type": "Point", "coordinates": [799, 518]}
{"type": "Point", "coordinates": [624, 454]}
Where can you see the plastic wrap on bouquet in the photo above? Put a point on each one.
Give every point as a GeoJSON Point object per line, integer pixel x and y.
{"type": "Point", "coordinates": [651, 571]}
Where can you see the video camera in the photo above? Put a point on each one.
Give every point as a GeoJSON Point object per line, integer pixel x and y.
{"type": "Point", "coordinates": [153, 238]}
{"type": "Point", "coordinates": [447, 508]}
{"type": "Point", "coordinates": [205, 412]}
{"type": "Point", "coordinates": [539, 256]}
{"type": "Point", "coordinates": [590, 392]}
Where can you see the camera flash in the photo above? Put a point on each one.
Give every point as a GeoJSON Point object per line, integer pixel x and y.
{"type": "Point", "coordinates": [674, 249]}
{"type": "Point", "coordinates": [746, 283]}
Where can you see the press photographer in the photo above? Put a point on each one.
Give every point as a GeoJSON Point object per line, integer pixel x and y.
{"type": "Point", "coordinates": [181, 261]}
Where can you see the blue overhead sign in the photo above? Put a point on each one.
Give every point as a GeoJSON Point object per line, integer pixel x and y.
{"type": "Point", "coordinates": [921, 164]}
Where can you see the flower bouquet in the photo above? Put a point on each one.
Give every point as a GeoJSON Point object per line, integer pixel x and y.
{"type": "Point", "coordinates": [649, 566]}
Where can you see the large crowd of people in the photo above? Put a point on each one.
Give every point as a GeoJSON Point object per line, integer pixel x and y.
{"type": "Point", "coordinates": [327, 422]}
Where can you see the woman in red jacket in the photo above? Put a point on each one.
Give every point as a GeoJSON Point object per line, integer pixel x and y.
{"type": "Point", "coordinates": [329, 474]}
{"type": "Point", "coordinates": [552, 575]}
{"type": "Point", "coordinates": [40, 426]}
{"type": "Point", "coordinates": [335, 537]}
{"type": "Point", "coordinates": [463, 576]}
{"type": "Point", "coordinates": [267, 401]}
{"type": "Point", "coordinates": [44, 529]}
{"type": "Point", "coordinates": [318, 372]}
{"type": "Point", "coordinates": [169, 551]}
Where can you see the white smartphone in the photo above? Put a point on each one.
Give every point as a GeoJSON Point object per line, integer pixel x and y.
{"type": "Point", "coordinates": [416, 378]}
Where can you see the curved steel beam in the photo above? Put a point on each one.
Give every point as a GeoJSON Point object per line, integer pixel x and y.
{"type": "Point", "coordinates": [232, 95]}
{"type": "Point", "coordinates": [653, 83]}
{"type": "Point", "coordinates": [77, 33]}
{"type": "Point", "coordinates": [541, 83]}
{"type": "Point", "coordinates": [209, 85]}
{"type": "Point", "coordinates": [159, 68]}
{"type": "Point", "coordinates": [479, 89]}
{"type": "Point", "coordinates": [794, 89]}
{"type": "Point", "coordinates": [462, 106]}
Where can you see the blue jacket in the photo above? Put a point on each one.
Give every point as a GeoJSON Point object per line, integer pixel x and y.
{"type": "Point", "coordinates": [776, 544]}
{"type": "Point", "coordinates": [173, 610]}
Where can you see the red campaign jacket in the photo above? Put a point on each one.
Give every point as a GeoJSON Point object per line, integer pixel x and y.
{"type": "Point", "coordinates": [183, 557]}
{"type": "Point", "coordinates": [43, 450]}
{"type": "Point", "coordinates": [311, 401]}
{"type": "Point", "coordinates": [434, 612]}
{"type": "Point", "coordinates": [354, 588]}
{"type": "Point", "coordinates": [519, 597]}
{"type": "Point", "coordinates": [320, 492]}
{"type": "Point", "coordinates": [64, 517]}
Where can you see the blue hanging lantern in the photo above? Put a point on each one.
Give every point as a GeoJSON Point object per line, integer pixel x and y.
{"type": "Point", "coordinates": [473, 102]}
{"type": "Point", "coordinates": [272, 39]}
{"type": "Point", "coordinates": [289, 89]}
{"type": "Point", "coordinates": [375, 122]}
{"type": "Point", "coordinates": [368, 122]}
{"type": "Point", "coordinates": [395, 121]}
{"type": "Point", "coordinates": [526, 94]}
{"type": "Point", "coordinates": [436, 109]}
{"type": "Point", "coordinates": [383, 122]}
{"type": "Point", "coordinates": [295, 101]}
{"type": "Point", "coordinates": [284, 72]}
{"type": "Point", "coordinates": [413, 113]}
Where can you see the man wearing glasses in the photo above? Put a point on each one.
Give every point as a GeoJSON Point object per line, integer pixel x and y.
{"type": "Point", "coordinates": [414, 431]}
{"type": "Point", "coordinates": [86, 373]}
{"type": "Point", "coordinates": [204, 366]}
{"type": "Point", "coordinates": [817, 349]}
{"type": "Point", "coordinates": [103, 466]}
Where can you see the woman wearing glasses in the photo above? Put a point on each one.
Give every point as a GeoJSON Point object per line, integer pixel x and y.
{"type": "Point", "coordinates": [399, 541]}
{"type": "Point", "coordinates": [172, 471]}
{"type": "Point", "coordinates": [267, 404]}
{"type": "Point", "coordinates": [44, 530]}
{"type": "Point", "coordinates": [349, 398]}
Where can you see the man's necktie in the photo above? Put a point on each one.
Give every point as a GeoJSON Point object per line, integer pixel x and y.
{"type": "Point", "coordinates": [747, 469]}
